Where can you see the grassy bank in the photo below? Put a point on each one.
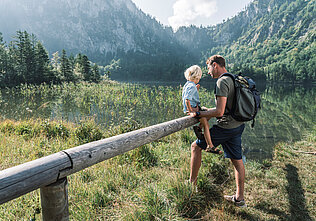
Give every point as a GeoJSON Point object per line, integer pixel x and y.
{"type": "Point", "coordinates": [149, 183]}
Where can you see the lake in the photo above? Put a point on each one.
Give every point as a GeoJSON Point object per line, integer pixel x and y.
{"type": "Point", "coordinates": [288, 111]}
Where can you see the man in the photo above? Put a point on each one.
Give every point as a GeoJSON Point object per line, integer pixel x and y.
{"type": "Point", "coordinates": [226, 131]}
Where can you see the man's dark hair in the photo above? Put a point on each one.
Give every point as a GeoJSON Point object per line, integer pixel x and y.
{"type": "Point", "coordinates": [220, 60]}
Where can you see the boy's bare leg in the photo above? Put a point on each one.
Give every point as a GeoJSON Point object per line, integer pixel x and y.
{"type": "Point", "coordinates": [206, 128]}
{"type": "Point", "coordinates": [207, 118]}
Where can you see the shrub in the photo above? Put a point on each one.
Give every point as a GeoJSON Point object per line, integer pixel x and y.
{"type": "Point", "coordinates": [25, 129]}
{"type": "Point", "coordinates": [7, 127]}
{"type": "Point", "coordinates": [53, 129]}
{"type": "Point", "coordinates": [88, 132]}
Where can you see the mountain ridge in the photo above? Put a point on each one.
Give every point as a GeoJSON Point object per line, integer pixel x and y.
{"type": "Point", "coordinates": [260, 39]}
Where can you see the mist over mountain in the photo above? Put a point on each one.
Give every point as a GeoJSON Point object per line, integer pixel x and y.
{"type": "Point", "coordinates": [267, 39]}
{"type": "Point", "coordinates": [102, 29]}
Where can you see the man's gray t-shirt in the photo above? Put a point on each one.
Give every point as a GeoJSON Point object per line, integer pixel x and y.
{"type": "Point", "coordinates": [225, 88]}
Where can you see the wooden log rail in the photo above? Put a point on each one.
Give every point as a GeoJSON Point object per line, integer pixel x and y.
{"type": "Point", "coordinates": [48, 172]}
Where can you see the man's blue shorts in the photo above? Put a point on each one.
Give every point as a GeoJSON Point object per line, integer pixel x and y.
{"type": "Point", "coordinates": [230, 139]}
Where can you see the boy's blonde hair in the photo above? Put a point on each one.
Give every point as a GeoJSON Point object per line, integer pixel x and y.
{"type": "Point", "coordinates": [193, 72]}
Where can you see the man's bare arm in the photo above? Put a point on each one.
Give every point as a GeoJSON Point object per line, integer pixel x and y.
{"type": "Point", "coordinates": [218, 111]}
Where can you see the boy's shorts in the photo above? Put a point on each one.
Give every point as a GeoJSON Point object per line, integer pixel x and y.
{"type": "Point", "coordinates": [230, 139]}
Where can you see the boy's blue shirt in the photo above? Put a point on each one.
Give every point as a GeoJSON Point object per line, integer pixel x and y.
{"type": "Point", "coordinates": [191, 93]}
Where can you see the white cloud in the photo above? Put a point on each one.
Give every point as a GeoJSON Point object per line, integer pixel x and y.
{"type": "Point", "coordinates": [187, 12]}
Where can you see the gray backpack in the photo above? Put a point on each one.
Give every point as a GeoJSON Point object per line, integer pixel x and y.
{"type": "Point", "coordinates": [247, 101]}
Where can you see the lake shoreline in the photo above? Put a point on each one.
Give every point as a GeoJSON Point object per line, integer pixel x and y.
{"type": "Point", "coordinates": [286, 111]}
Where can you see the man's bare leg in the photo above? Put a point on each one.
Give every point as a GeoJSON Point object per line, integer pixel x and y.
{"type": "Point", "coordinates": [196, 159]}
{"type": "Point", "coordinates": [239, 177]}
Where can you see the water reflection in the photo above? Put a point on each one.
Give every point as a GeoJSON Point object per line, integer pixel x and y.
{"type": "Point", "coordinates": [287, 110]}
{"type": "Point", "coordinates": [287, 113]}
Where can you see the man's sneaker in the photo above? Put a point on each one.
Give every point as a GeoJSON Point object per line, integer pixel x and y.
{"type": "Point", "coordinates": [239, 203]}
{"type": "Point", "coordinates": [187, 182]}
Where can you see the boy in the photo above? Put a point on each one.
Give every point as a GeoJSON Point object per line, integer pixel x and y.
{"type": "Point", "coordinates": [191, 104]}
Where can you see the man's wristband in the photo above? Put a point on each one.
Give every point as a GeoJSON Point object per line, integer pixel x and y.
{"type": "Point", "coordinates": [197, 113]}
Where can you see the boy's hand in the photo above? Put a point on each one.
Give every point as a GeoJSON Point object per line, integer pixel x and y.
{"type": "Point", "coordinates": [204, 108]}
{"type": "Point", "coordinates": [198, 87]}
{"type": "Point", "coordinates": [192, 114]}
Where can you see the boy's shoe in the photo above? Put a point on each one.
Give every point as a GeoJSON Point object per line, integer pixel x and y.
{"type": "Point", "coordinates": [239, 203]}
{"type": "Point", "coordinates": [198, 132]}
{"type": "Point", "coordinates": [213, 150]}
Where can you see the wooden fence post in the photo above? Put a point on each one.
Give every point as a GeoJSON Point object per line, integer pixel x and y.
{"type": "Point", "coordinates": [54, 201]}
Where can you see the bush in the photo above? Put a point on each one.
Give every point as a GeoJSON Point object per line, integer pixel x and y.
{"type": "Point", "coordinates": [88, 132]}
{"type": "Point", "coordinates": [25, 129]}
{"type": "Point", "coordinates": [7, 127]}
{"type": "Point", "coordinates": [53, 129]}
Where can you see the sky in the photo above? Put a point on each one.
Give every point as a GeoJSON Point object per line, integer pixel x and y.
{"type": "Point", "coordinates": [176, 13]}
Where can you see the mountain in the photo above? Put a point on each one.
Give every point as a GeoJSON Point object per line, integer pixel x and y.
{"type": "Point", "coordinates": [102, 29]}
{"type": "Point", "coordinates": [269, 39]}
{"type": "Point", "coordinates": [272, 39]}
{"type": "Point", "coordinates": [93, 26]}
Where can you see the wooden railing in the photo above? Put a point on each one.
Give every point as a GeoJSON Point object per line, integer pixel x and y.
{"type": "Point", "coordinates": [50, 173]}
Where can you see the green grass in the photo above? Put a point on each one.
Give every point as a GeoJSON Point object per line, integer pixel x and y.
{"type": "Point", "coordinates": [149, 183]}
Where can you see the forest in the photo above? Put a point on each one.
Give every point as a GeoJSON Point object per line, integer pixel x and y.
{"type": "Point", "coordinates": [278, 45]}
{"type": "Point", "coordinates": [269, 39]}
{"type": "Point", "coordinates": [26, 61]}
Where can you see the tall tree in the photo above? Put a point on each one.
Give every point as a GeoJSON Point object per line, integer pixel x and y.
{"type": "Point", "coordinates": [23, 52]}
{"type": "Point", "coordinates": [3, 61]}
{"type": "Point", "coordinates": [78, 72]}
{"type": "Point", "coordinates": [43, 70]}
{"type": "Point", "coordinates": [55, 63]}
{"type": "Point", "coordinates": [86, 68]}
{"type": "Point", "coordinates": [95, 74]}
{"type": "Point", "coordinates": [65, 68]}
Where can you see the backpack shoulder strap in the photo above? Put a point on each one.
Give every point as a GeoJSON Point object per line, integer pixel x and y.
{"type": "Point", "coordinates": [232, 76]}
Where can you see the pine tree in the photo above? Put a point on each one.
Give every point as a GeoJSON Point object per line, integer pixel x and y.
{"type": "Point", "coordinates": [26, 60]}
{"type": "Point", "coordinates": [17, 53]}
{"type": "Point", "coordinates": [22, 51]}
{"type": "Point", "coordinates": [72, 61]}
{"type": "Point", "coordinates": [55, 63]}
{"type": "Point", "coordinates": [3, 61]}
{"type": "Point", "coordinates": [43, 70]}
{"type": "Point", "coordinates": [65, 68]}
{"type": "Point", "coordinates": [95, 74]}
{"type": "Point", "coordinates": [31, 41]}
{"type": "Point", "coordinates": [86, 68]}
{"type": "Point", "coordinates": [78, 72]}
{"type": "Point", "coordinates": [7, 64]}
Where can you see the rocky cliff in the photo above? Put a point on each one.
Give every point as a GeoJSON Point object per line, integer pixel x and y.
{"type": "Point", "coordinates": [95, 27]}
